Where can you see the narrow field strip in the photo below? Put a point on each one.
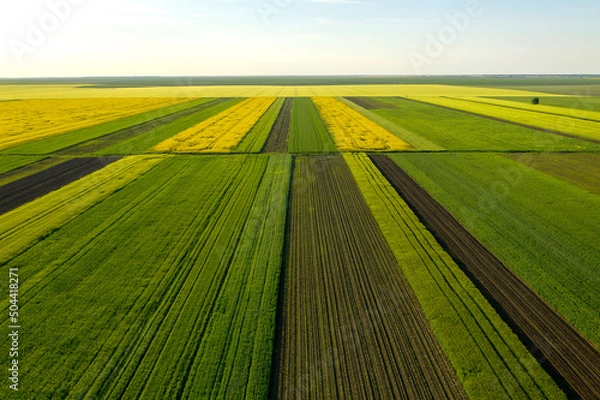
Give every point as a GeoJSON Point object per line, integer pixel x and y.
{"type": "Point", "coordinates": [22, 227]}
{"type": "Point", "coordinates": [586, 115]}
{"type": "Point", "coordinates": [352, 131]}
{"type": "Point", "coordinates": [308, 133]}
{"type": "Point", "coordinates": [416, 140]}
{"type": "Point", "coordinates": [459, 130]}
{"type": "Point", "coordinates": [20, 192]}
{"type": "Point", "coordinates": [221, 133]}
{"type": "Point", "coordinates": [255, 140]}
{"type": "Point", "coordinates": [31, 120]}
{"type": "Point", "coordinates": [570, 358]}
{"type": "Point", "coordinates": [30, 169]}
{"type": "Point", "coordinates": [156, 122]}
{"type": "Point", "coordinates": [175, 278]}
{"type": "Point", "coordinates": [279, 136]}
{"type": "Point", "coordinates": [489, 359]}
{"type": "Point", "coordinates": [143, 143]}
{"type": "Point", "coordinates": [586, 130]}
{"type": "Point", "coordinates": [352, 326]}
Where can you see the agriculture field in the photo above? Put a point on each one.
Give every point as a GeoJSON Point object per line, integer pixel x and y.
{"type": "Point", "coordinates": [490, 360]}
{"type": "Point", "coordinates": [99, 132]}
{"type": "Point", "coordinates": [189, 312]}
{"type": "Point", "coordinates": [301, 238]}
{"type": "Point", "coordinates": [28, 120]}
{"type": "Point", "coordinates": [569, 357]}
{"type": "Point", "coordinates": [221, 133]}
{"type": "Point", "coordinates": [426, 126]}
{"type": "Point", "coordinates": [352, 325]}
{"type": "Point", "coordinates": [551, 123]}
{"type": "Point", "coordinates": [535, 223]}
{"type": "Point", "coordinates": [351, 131]}
{"type": "Point", "coordinates": [60, 91]}
{"type": "Point", "coordinates": [586, 104]}
{"type": "Point", "coordinates": [308, 133]}
{"type": "Point", "coordinates": [582, 170]}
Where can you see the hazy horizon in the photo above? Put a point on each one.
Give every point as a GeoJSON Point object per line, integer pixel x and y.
{"type": "Point", "coordinates": [240, 38]}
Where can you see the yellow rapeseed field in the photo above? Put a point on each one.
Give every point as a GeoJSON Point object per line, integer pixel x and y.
{"type": "Point", "coordinates": [9, 92]}
{"type": "Point", "coordinates": [221, 133]}
{"type": "Point", "coordinates": [352, 131]}
{"type": "Point", "coordinates": [23, 121]}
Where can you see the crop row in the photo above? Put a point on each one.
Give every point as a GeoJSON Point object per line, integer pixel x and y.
{"type": "Point", "coordinates": [165, 289]}
{"type": "Point", "coordinates": [352, 131]}
{"type": "Point", "coordinates": [308, 133]}
{"type": "Point", "coordinates": [221, 133]}
{"type": "Point", "coordinates": [24, 190]}
{"type": "Point", "coordinates": [490, 360]}
{"type": "Point", "coordinates": [568, 111]}
{"type": "Point", "coordinates": [569, 357]}
{"type": "Point", "coordinates": [352, 327]}
{"type": "Point", "coordinates": [534, 223]}
{"type": "Point", "coordinates": [584, 129]}
{"type": "Point", "coordinates": [430, 127]}
{"type": "Point", "coordinates": [32, 222]}
{"type": "Point", "coordinates": [30, 120]}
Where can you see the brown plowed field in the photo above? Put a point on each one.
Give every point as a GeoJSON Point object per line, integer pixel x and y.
{"type": "Point", "coordinates": [369, 103]}
{"type": "Point", "coordinates": [571, 359]}
{"type": "Point", "coordinates": [352, 326]}
{"type": "Point", "coordinates": [133, 131]}
{"type": "Point", "coordinates": [278, 138]}
{"type": "Point", "coordinates": [24, 190]}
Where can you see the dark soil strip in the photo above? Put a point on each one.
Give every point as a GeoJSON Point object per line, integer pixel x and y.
{"type": "Point", "coordinates": [371, 104]}
{"type": "Point", "coordinates": [274, 384]}
{"type": "Point", "coordinates": [106, 141]}
{"type": "Point", "coordinates": [23, 191]}
{"type": "Point", "coordinates": [535, 128]}
{"type": "Point", "coordinates": [278, 138]}
{"type": "Point", "coordinates": [30, 169]}
{"type": "Point", "coordinates": [352, 326]}
{"type": "Point", "coordinates": [561, 350]}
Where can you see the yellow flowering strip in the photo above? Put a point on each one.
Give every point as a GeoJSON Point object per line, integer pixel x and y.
{"type": "Point", "coordinates": [221, 133]}
{"type": "Point", "coordinates": [352, 131]}
{"type": "Point", "coordinates": [23, 121]}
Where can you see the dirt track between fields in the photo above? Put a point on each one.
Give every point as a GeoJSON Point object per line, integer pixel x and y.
{"type": "Point", "coordinates": [20, 192]}
{"type": "Point", "coordinates": [571, 359]}
{"type": "Point", "coordinates": [278, 138]}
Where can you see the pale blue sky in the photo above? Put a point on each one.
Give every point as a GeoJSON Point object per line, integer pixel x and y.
{"type": "Point", "coordinates": [291, 37]}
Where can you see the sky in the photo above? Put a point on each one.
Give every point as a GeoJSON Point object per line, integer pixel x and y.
{"type": "Point", "coordinates": [74, 38]}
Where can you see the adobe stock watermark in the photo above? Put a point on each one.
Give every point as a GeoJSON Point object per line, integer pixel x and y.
{"type": "Point", "coordinates": [447, 35]}
{"type": "Point", "coordinates": [36, 33]}
{"type": "Point", "coordinates": [268, 8]}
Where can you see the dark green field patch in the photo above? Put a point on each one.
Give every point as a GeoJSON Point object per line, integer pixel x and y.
{"type": "Point", "coordinates": [369, 103]}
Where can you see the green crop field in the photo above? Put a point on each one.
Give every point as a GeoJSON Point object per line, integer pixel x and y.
{"type": "Point", "coordinates": [217, 244]}
{"type": "Point", "coordinates": [255, 140]}
{"type": "Point", "coordinates": [308, 133]}
{"type": "Point", "coordinates": [572, 102]}
{"type": "Point", "coordinates": [219, 247]}
{"type": "Point", "coordinates": [535, 223]}
{"type": "Point", "coordinates": [455, 130]}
